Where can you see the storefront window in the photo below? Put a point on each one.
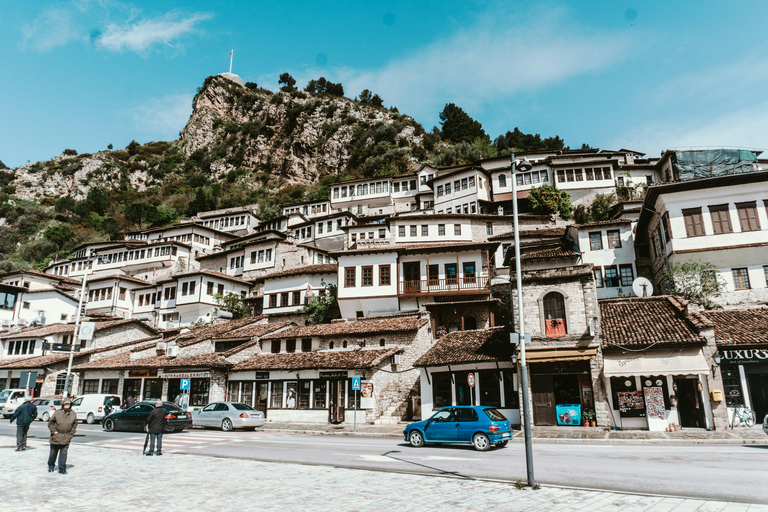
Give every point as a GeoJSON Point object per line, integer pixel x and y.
{"type": "Point", "coordinates": [732, 386]}
{"type": "Point", "coordinates": [233, 391]}
{"type": "Point", "coordinates": [247, 396]}
{"type": "Point", "coordinates": [199, 391]}
{"type": "Point", "coordinates": [490, 388]}
{"type": "Point", "coordinates": [153, 389]}
{"type": "Point", "coordinates": [277, 395]}
{"type": "Point", "coordinates": [659, 381]}
{"type": "Point", "coordinates": [352, 396]}
{"type": "Point", "coordinates": [90, 386]}
{"type": "Point", "coordinates": [304, 388]}
{"type": "Point", "coordinates": [463, 391]}
{"type": "Point", "coordinates": [511, 399]}
{"type": "Point", "coordinates": [441, 389]}
{"type": "Point", "coordinates": [320, 394]}
{"type": "Point", "coordinates": [627, 386]}
{"type": "Point", "coordinates": [290, 395]}
{"type": "Point", "coordinates": [109, 386]}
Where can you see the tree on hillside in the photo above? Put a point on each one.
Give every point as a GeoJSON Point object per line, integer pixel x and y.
{"type": "Point", "coordinates": [458, 126]}
{"type": "Point", "coordinates": [139, 213]}
{"type": "Point", "coordinates": [486, 147]}
{"type": "Point", "coordinates": [516, 140]}
{"type": "Point", "coordinates": [548, 200]}
{"type": "Point", "coordinates": [133, 148]}
{"type": "Point", "coordinates": [461, 153]}
{"type": "Point", "coordinates": [2, 165]}
{"type": "Point", "coordinates": [288, 82]}
{"type": "Point", "coordinates": [368, 98]}
{"type": "Point", "coordinates": [59, 235]}
{"type": "Point", "coordinates": [323, 86]}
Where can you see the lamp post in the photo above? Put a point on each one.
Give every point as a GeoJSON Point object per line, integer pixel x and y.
{"type": "Point", "coordinates": [525, 165]}
{"type": "Point", "coordinates": [76, 334]}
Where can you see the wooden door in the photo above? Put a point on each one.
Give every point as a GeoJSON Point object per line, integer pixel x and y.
{"type": "Point", "coordinates": [543, 394]}
{"type": "Point", "coordinates": [411, 276]}
{"type": "Point", "coordinates": [336, 401]}
{"type": "Point", "coordinates": [261, 397]}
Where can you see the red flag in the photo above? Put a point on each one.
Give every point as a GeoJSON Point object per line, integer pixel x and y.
{"type": "Point", "coordinates": [230, 54]}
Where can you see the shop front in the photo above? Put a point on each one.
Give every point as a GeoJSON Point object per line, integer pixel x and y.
{"type": "Point", "coordinates": [745, 380]}
{"type": "Point", "coordinates": [197, 395]}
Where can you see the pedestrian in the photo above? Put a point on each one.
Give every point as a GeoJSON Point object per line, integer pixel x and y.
{"type": "Point", "coordinates": [155, 428]}
{"type": "Point", "coordinates": [129, 402]}
{"type": "Point", "coordinates": [62, 424]}
{"type": "Point", "coordinates": [24, 415]}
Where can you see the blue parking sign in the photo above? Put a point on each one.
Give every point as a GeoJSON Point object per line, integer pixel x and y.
{"type": "Point", "coordinates": [184, 384]}
{"type": "Point", "coordinates": [355, 383]}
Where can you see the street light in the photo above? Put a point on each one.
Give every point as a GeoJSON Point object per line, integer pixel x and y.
{"type": "Point", "coordinates": [76, 334]}
{"type": "Point", "coordinates": [524, 165]}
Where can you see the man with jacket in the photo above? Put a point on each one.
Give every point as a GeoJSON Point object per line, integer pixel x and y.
{"type": "Point", "coordinates": [24, 416]}
{"type": "Point", "coordinates": [63, 425]}
{"type": "Point", "coordinates": [155, 427]}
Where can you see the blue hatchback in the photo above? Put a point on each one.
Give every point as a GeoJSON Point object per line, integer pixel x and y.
{"type": "Point", "coordinates": [479, 426]}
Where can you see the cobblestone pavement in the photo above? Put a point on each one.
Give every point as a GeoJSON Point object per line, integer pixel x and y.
{"type": "Point", "coordinates": [110, 480]}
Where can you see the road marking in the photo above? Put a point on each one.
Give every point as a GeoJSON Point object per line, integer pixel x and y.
{"type": "Point", "coordinates": [437, 457]}
{"type": "Point", "coordinates": [378, 458]}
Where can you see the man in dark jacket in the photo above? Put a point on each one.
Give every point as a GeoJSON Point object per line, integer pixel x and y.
{"type": "Point", "coordinates": [155, 427]}
{"type": "Point", "coordinates": [63, 425]}
{"type": "Point", "coordinates": [24, 415]}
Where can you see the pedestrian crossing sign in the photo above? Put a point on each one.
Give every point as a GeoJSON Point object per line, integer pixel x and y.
{"type": "Point", "coordinates": [355, 383]}
{"type": "Point", "coordinates": [184, 384]}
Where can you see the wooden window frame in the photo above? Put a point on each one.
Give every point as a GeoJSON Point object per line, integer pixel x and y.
{"type": "Point", "coordinates": [598, 274]}
{"type": "Point", "coordinates": [592, 242]}
{"type": "Point", "coordinates": [739, 285]}
{"type": "Point", "coordinates": [621, 275]}
{"type": "Point", "coordinates": [615, 244]}
{"type": "Point", "coordinates": [366, 280]}
{"type": "Point", "coordinates": [350, 277]}
{"type": "Point", "coordinates": [617, 282]}
{"type": "Point", "coordinates": [694, 222]}
{"type": "Point", "coordinates": [748, 218]}
{"type": "Point", "coordinates": [385, 275]}
{"type": "Point", "coordinates": [721, 219]}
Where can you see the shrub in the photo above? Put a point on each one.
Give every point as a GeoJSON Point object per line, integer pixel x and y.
{"type": "Point", "coordinates": [548, 200]}
{"type": "Point", "coordinates": [70, 152]}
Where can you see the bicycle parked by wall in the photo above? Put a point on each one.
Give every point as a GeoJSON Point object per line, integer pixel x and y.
{"type": "Point", "coordinates": [743, 416]}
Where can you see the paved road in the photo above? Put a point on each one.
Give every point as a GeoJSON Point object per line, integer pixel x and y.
{"type": "Point", "coordinates": [731, 473]}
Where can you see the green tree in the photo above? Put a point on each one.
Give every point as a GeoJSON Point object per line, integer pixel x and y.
{"type": "Point", "coordinates": [461, 153]}
{"type": "Point", "coordinates": [233, 303]}
{"type": "Point", "coordinates": [548, 200]}
{"type": "Point", "coordinates": [486, 148]}
{"type": "Point", "coordinates": [70, 152]}
{"type": "Point", "coordinates": [598, 210]}
{"type": "Point", "coordinates": [288, 82]}
{"type": "Point", "coordinates": [65, 205]}
{"type": "Point", "coordinates": [60, 235]}
{"type": "Point", "coordinates": [139, 213]}
{"type": "Point", "coordinates": [458, 126]}
{"type": "Point", "coordinates": [2, 165]}
{"type": "Point", "coordinates": [252, 86]}
{"type": "Point", "coordinates": [516, 140]}
{"type": "Point", "coordinates": [133, 148]}
{"type": "Point", "coordinates": [368, 98]}
{"type": "Point", "coordinates": [109, 146]}
{"type": "Point", "coordinates": [323, 86]}
{"type": "Point", "coordinates": [696, 281]}
{"type": "Point", "coordinates": [321, 308]}
{"type": "Point", "coordinates": [110, 227]}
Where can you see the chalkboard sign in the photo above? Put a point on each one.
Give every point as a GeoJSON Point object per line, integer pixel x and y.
{"type": "Point", "coordinates": [630, 401]}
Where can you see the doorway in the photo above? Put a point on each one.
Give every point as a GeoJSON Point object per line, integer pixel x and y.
{"type": "Point", "coordinates": [758, 392]}
{"type": "Point", "coordinates": [132, 387]}
{"type": "Point", "coordinates": [412, 276]}
{"type": "Point", "coordinates": [463, 391]}
{"type": "Point", "coordinates": [543, 395]}
{"type": "Point", "coordinates": [689, 404]}
{"type": "Point", "coordinates": [261, 397]}
{"type": "Point", "coordinates": [470, 323]}
{"type": "Point", "coordinates": [336, 401]}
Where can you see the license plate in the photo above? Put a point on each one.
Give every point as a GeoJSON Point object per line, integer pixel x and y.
{"type": "Point", "coordinates": [505, 434]}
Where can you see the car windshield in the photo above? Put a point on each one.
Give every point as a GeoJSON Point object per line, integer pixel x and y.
{"type": "Point", "coordinates": [4, 395]}
{"type": "Point", "coordinates": [242, 407]}
{"type": "Point", "coordinates": [494, 415]}
{"type": "Point", "coordinates": [77, 402]}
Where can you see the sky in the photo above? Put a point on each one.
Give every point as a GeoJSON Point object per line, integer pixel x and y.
{"type": "Point", "coordinates": [647, 76]}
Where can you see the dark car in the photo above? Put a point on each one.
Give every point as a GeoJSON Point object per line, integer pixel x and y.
{"type": "Point", "coordinates": [480, 426]}
{"type": "Point", "coordinates": [135, 418]}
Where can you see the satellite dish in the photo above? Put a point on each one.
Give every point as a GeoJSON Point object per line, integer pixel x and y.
{"type": "Point", "coordinates": [642, 287]}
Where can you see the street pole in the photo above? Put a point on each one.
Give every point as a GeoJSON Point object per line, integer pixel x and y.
{"type": "Point", "coordinates": [76, 334]}
{"type": "Point", "coordinates": [355, 415]}
{"type": "Point", "coordinates": [521, 333]}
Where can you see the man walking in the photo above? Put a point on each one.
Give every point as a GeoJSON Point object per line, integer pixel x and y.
{"type": "Point", "coordinates": [63, 424]}
{"type": "Point", "coordinates": [24, 416]}
{"type": "Point", "coordinates": [155, 427]}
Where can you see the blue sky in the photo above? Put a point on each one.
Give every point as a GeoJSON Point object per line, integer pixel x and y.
{"type": "Point", "coordinates": [648, 76]}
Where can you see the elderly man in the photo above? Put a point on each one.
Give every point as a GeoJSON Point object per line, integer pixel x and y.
{"type": "Point", "coordinates": [155, 427]}
{"type": "Point", "coordinates": [63, 425]}
{"type": "Point", "coordinates": [24, 415]}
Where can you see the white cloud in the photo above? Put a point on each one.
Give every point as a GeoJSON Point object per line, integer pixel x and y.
{"type": "Point", "coordinates": [162, 118]}
{"type": "Point", "coordinates": [142, 34]}
{"type": "Point", "coordinates": [55, 27]}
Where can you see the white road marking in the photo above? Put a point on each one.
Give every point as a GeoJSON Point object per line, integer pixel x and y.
{"type": "Point", "coordinates": [437, 457]}
{"type": "Point", "coordinates": [378, 458]}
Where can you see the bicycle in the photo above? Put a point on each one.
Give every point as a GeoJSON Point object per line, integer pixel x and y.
{"type": "Point", "coordinates": [744, 415]}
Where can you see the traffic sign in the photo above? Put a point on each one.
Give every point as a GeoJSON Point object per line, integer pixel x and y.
{"type": "Point", "coordinates": [471, 380]}
{"type": "Point", "coordinates": [355, 383]}
{"type": "Point", "coordinates": [184, 384]}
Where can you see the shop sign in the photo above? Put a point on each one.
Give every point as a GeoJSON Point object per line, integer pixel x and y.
{"type": "Point", "coordinates": [332, 375]}
{"type": "Point", "coordinates": [262, 376]}
{"type": "Point", "coordinates": [190, 375]}
{"type": "Point", "coordinates": [366, 395]}
{"type": "Point", "coordinates": [142, 373]}
{"type": "Point", "coordinates": [745, 356]}
{"type": "Point", "coordinates": [630, 400]}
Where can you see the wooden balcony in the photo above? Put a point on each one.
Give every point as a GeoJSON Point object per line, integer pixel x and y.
{"type": "Point", "coordinates": [451, 286]}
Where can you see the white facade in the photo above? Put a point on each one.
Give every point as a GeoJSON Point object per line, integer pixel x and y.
{"type": "Point", "coordinates": [461, 191]}
{"type": "Point", "coordinates": [610, 247]}
{"type": "Point", "coordinates": [289, 294]}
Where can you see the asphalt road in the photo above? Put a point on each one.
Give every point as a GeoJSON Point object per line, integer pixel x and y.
{"type": "Point", "coordinates": [721, 472]}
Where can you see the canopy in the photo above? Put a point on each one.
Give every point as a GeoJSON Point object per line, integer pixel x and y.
{"type": "Point", "coordinates": [656, 362]}
{"type": "Point", "coordinates": [551, 354]}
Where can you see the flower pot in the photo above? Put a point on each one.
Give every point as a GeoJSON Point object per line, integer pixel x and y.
{"type": "Point", "coordinates": [593, 423]}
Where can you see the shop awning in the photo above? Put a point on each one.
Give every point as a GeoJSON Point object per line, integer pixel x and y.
{"type": "Point", "coordinates": [657, 362]}
{"type": "Point", "coordinates": [550, 354]}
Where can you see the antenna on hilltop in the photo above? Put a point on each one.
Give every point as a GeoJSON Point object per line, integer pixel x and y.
{"type": "Point", "coordinates": [230, 60]}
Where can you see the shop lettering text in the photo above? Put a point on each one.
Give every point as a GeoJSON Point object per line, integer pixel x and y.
{"type": "Point", "coordinates": [745, 355]}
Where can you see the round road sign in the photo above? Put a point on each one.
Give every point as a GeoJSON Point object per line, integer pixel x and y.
{"type": "Point", "coordinates": [471, 380]}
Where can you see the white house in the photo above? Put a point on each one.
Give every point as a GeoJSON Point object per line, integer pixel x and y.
{"type": "Point", "coordinates": [285, 292]}
{"type": "Point", "coordinates": [239, 220]}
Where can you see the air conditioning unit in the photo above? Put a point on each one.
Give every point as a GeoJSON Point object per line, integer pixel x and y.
{"type": "Point", "coordinates": [396, 359]}
{"type": "Point", "coordinates": [5, 323]}
{"type": "Point", "coordinates": [162, 345]}
{"type": "Point", "coordinates": [172, 351]}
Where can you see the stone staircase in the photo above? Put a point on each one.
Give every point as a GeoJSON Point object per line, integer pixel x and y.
{"type": "Point", "coordinates": [393, 412]}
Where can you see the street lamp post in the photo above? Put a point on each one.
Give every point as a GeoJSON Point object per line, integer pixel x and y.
{"type": "Point", "coordinates": [76, 334]}
{"type": "Point", "coordinates": [525, 165]}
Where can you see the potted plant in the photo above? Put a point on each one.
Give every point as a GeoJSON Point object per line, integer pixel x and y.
{"type": "Point", "coordinates": [589, 419]}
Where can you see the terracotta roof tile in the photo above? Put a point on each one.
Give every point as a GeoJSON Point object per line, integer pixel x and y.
{"type": "Point", "coordinates": [308, 270]}
{"type": "Point", "coordinates": [70, 328]}
{"type": "Point", "coordinates": [469, 347]}
{"type": "Point", "coordinates": [330, 359]}
{"type": "Point", "coordinates": [124, 361]}
{"type": "Point", "coordinates": [609, 222]}
{"type": "Point", "coordinates": [407, 324]}
{"type": "Point", "coordinates": [740, 327]}
{"type": "Point", "coordinates": [252, 330]}
{"type": "Point", "coordinates": [211, 331]}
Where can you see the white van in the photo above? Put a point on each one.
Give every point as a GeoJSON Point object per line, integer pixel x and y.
{"type": "Point", "coordinates": [92, 408]}
{"type": "Point", "coordinates": [10, 399]}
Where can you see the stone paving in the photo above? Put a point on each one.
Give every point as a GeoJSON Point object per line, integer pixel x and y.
{"type": "Point", "coordinates": [115, 480]}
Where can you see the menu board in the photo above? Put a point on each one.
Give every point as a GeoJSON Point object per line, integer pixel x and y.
{"type": "Point", "coordinates": [654, 402]}
{"type": "Point", "coordinates": [630, 401]}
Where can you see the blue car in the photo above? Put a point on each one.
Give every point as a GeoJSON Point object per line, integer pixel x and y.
{"type": "Point", "coordinates": [480, 426]}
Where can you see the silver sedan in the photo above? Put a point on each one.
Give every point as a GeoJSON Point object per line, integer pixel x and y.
{"type": "Point", "coordinates": [46, 407]}
{"type": "Point", "coordinates": [228, 416]}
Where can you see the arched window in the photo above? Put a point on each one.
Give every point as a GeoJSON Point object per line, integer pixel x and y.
{"type": "Point", "coordinates": [554, 315]}
{"type": "Point", "coordinates": [330, 345]}
{"type": "Point", "coordinates": [344, 344]}
{"type": "Point", "coordinates": [382, 342]}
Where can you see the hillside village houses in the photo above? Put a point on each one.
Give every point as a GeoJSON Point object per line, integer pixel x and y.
{"type": "Point", "coordinates": [421, 264]}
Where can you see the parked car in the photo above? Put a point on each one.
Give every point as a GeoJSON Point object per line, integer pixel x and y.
{"type": "Point", "coordinates": [94, 407]}
{"type": "Point", "coordinates": [480, 426]}
{"type": "Point", "coordinates": [135, 418]}
{"type": "Point", "coordinates": [10, 399]}
{"type": "Point", "coordinates": [46, 407]}
{"type": "Point", "coordinates": [228, 416]}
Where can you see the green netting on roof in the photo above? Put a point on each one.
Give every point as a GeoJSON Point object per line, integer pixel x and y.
{"type": "Point", "coordinates": [689, 165]}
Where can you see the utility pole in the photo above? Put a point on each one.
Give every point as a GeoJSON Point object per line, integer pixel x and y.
{"type": "Point", "coordinates": [525, 166]}
{"type": "Point", "coordinates": [230, 60]}
{"type": "Point", "coordinates": [76, 334]}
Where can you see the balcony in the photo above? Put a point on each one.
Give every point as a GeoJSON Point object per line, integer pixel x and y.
{"type": "Point", "coordinates": [450, 286]}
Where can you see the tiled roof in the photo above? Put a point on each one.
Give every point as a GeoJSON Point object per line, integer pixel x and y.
{"type": "Point", "coordinates": [211, 331]}
{"type": "Point", "coordinates": [460, 347]}
{"type": "Point", "coordinates": [329, 268]}
{"type": "Point", "coordinates": [740, 326]}
{"type": "Point", "coordinates": [124, 361]}
{"type": "Point", "coordinates": [548, 254]}
{"type": "Point", "coordinates": [351, 328]}
{"type": "Point", "coordinates": [609, 222]}
{"type": "Point", "coordinates": [646, 321]}
{"type": "Point", "coordinates": [529, 233]}
{"type": "Point", "coordinates": [121, 277]}
{"type": "Point", "coordinates": [42, 274]}
{"type": "Point", "coordinates": [211, 273]}
{"type": "Point", "coordinates": [330, 359]}
{"type": "Point", "coordinates": [462, 302]}
{"type": "Point", "coordinates": [251, 330]}
{"type": "Point", "coordinates": [70, 328]}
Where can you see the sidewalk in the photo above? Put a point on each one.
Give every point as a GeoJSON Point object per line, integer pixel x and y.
{"type": "Point", "coordinates": [101, 479]}
{"type": "Point", "coordinates": [741, 435]}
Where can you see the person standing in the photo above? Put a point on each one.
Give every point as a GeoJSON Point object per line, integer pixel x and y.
{"type": "Point", "coordinates": [24, 415]}
{"type": "Point", "coordinates": [155, 427]}
{"type": "Point", "coordinates": [63, 425]}
{"type": "Point", "coordinates": [129, 402]}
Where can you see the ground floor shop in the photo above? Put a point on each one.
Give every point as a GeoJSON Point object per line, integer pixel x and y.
{"type": "Point", "coordinates": [745, 380]}
{"type": "Point", "coordinates": [561, 392]}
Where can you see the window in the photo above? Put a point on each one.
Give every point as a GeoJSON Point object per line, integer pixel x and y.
{"type": "Point", "coordinates": [519, 179]}
{"type": "Point", "coordinates": [349, 277]}
{"type": "Point", "coordinates": [382, 233]}
{"type": "Point", "coordinates": [626, 274]}
{"type": "Point", "coordinates": [220, 289]}
{"type": "Point", "coordinates": [122, 293]}
{"type": "Point", "coordinates": [297, 298]}
{"type": "Point", "coordinates": [184, 290]}
{"type": "Point", "coordinates": [560, 175]}
{"type": "Point", "coordinates": [385, 278]}
{"type": "Point", "coordinates": [457, 229]}
{"type": "Point", "coordinates": [441, 389]}
{"type": "Point", "coordinates": [441, 229]}
{"type": "Point", "coordinates": [450, 273]}
{"type": "Point", "coordinates": [424, 230]}
{"type": "Point", "coordinates": [319, 228]}
{"type": "Point", "coordinates": [765, 273]}
{"type": "Point", "coordinates": [489, 228]}
{"type": "Point", "coordinates": [209, 289]}
{"type": "Point", "coordinates": [665, 226]}
{"type": "Point", "coordinates": [447, 188]}
{"type": "Point", "coordinates": [268, 255]}
{"type": "Point", "coordinates": [290, 346]}
{"type": "Point", "coordinates": [620, 181]}
{"type": "Point", "coordinates": [275, 347]}
{"type": "Point", "coordinates": [401, 231]}
{"type": "Point", "coordinates": [439, 190]}
{"type": "Point", "coordinates": [502, 180]}
{"type": "Point", "coordinates": [598, 277]}
{"type": "Point", "coordinates": [721, 220]}
{"type": "Point", "coordinates": [192, 287]}
{"type": "Point", "coordinates": [748, 216]}
{"type": "Point", "coordinates": [471, 182]}
{"type": "Point", "coordinates": [413, 184]}
{"type": "Point", "coordinates": [614, 239]}
{"type": "Point", "coordinates": [740, 278]}
{"type": "Point", "coordinates": [611, 277]}
{"type": "Point", "coordinates": [490, 388]}
{"type": "Point", "coordinates": [469, 272]}
{"type": "Point", "coordinates": [694, 226]}
{"type": "Point", "coordinates": [554, 315]}
{"type": "Point", "coordinates": [413, 230]}
{"type": "Point", "coordinates": [367, 279]}
{"type": "Point", "coordinates": [277, 394]}
{"type": "Point", "coordinates": [596, 241]}
{"type": "Point", "coordinates": [283, 299]}
{"type": "Point", "coordinates": [273, 301]}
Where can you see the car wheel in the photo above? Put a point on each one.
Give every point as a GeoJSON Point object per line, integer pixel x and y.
{"type": "Point", "coordinates": [90, 419]}
{"type": "Point", "coordinates": [109, 425]}
{"type": "Point", "coordinates": [481, 442]}
{"type": "Point", "coordinates": [416, 439]}
{"type": "Point", "coordinates": [226, 425]}
{"type": "Point", "coordinates": [501, 444]}
{"type": "Point", "coordinates": [46, 416]}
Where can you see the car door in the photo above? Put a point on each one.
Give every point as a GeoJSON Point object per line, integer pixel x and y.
{"type": "Point", "coordinates": [441, 427]}
{"type": "Point", "coordinates": [135, 417]}
{"type": "Point", "coordinates": [205, 416]}
{"type": "Point", "coordinates": [222, 411]}
{"type": "Point", "coordinates": [466, 423]}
